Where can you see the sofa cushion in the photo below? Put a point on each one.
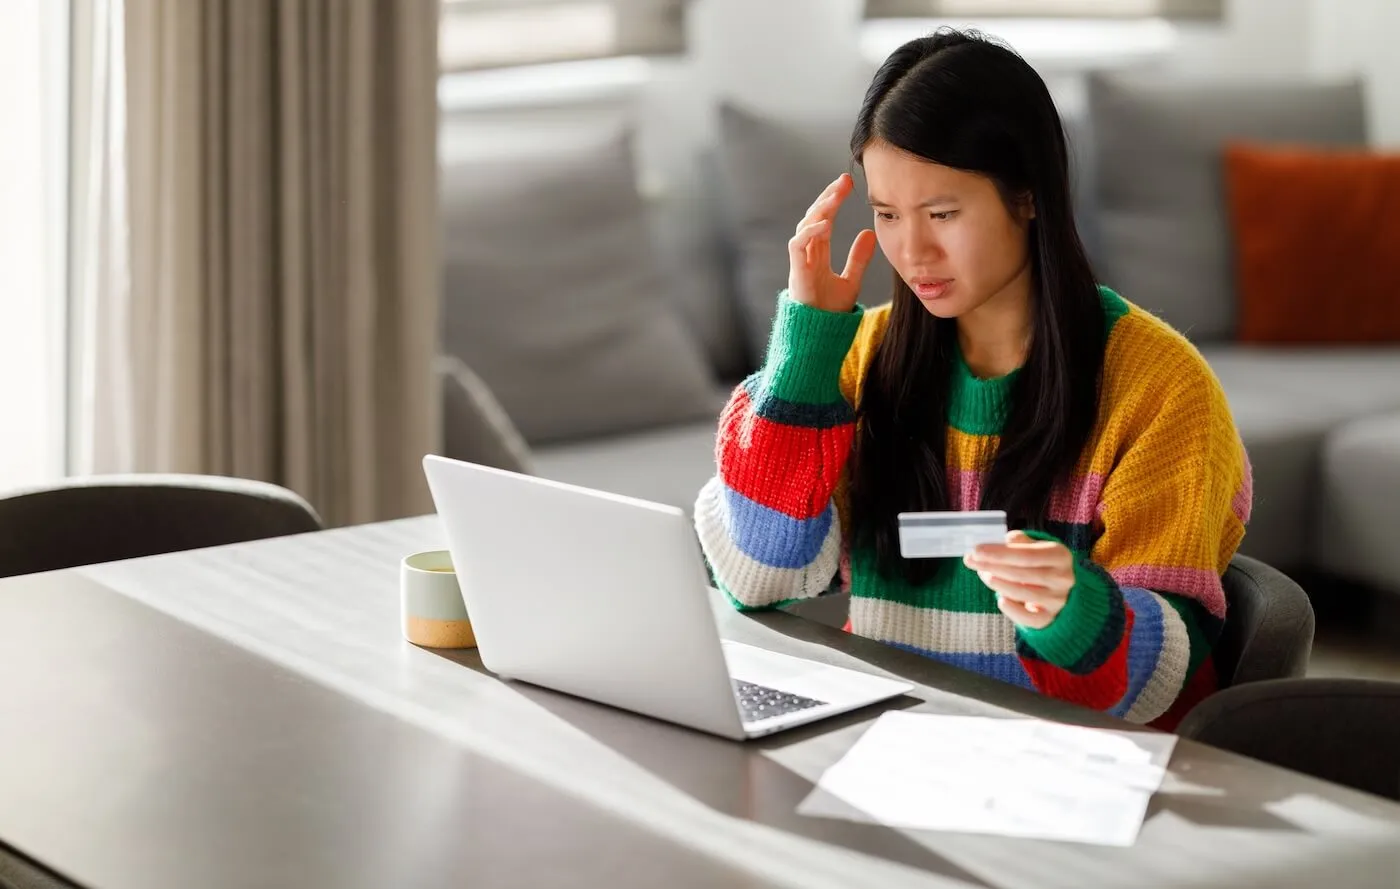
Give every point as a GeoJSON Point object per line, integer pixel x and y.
{"type": "Point", "coordinates": [1360, 502]}
{"type": "Point", "coordinates": [475, 427]}
{"type": "Point", "coordinates": [1300, 282]}
{"type": "Point", "coordinates": [553, 297]}
{"type": "Point", "coordinates": [675, 177]}
{"type": "Point", "coordinates": [1286, 402]}
{"type": "Point", "coordinates": [1163, 235]}
{"type": "Point", "coordinates": [664, 466]}
{"type": "Point", "coordinates": [773, 170]}
{"type": "Point", "coordinates": [1323, 385]}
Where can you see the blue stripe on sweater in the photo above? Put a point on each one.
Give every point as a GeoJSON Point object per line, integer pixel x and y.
{"type": "Point", "coordinates": [772, 538]}
{"type": "Point", "coordinates": [1006, 667]}
{"type": "Point", "coordinates": [1145, 645]}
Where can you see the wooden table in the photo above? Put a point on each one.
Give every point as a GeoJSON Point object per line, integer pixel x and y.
{"type": "Point", "coordinates": [250, 716]}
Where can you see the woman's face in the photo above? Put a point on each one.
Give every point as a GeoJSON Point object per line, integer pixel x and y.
{"type": "Point", "coordinates": [948, 233]}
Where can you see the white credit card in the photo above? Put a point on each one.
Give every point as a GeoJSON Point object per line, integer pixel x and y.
{"type": "Point", "coordinates": [948, 534]}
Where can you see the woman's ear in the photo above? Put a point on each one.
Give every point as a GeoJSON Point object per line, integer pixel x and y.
{"type": "Point", "coordinates": [1026, 206]}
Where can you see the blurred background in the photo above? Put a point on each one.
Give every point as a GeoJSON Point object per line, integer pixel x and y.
{"type": "Point", "coordinates": [308, 241]}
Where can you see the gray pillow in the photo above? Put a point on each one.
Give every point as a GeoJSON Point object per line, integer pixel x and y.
{"type": "Point", "coordinates": [673, 172]}
{"type": "Point", "coordinates": [772, 171]}
{"type": "Point", "coordinates": [1163, 236]}
{"type": "Point", "coordinates": [552, 295]}
{"type": "Point", "coordinates": [475, 427]}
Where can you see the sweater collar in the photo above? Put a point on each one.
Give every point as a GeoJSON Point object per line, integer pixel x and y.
{"type": "Point", "coordinates": [977, 406]}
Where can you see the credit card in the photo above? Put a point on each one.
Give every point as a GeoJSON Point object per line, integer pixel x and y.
{"type": "Point", "coordinates": [948, 534]}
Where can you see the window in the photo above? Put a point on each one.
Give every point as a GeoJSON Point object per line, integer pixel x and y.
{"type": "Point", "coordinates": [481, 34]}
{"type": "Point", "coordinates": [1208, 10]}
{"type": "Point", "coordinates": [33, 180]}
{"type": "Point", "coordinates": [1056, 36]}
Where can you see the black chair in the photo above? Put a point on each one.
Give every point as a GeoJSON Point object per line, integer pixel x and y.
{"type": "Point", "coordinates": [85, 520]}
{"type": "Point", "coordinates": [1269, 625]}
{"type": "Point", "coordinates": [1342, 730]}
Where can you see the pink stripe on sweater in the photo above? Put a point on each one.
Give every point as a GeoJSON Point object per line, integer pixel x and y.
{"type": "Point", "coordinates": [964, 488]}
{"type": "Point", "coordinates": [1243, 504]}
{"type": "Point", "coordinates": [1200, 584]}
{"type": "Point", "coordinates": [1079, 503]}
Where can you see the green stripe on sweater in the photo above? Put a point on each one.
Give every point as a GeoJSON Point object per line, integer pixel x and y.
{"type": "Point", "coordinates": [1078, 630]}
{"type": "Point", "coordinates": [954, 587]}
{"type": "Point", "coordinates": [806, 351]}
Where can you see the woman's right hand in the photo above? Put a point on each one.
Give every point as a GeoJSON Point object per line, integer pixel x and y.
{"type": "Point", "coordinates": [810, 278]}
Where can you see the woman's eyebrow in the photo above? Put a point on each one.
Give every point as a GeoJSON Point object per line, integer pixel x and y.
{"type": "Point", "coordinates": [931, 202]}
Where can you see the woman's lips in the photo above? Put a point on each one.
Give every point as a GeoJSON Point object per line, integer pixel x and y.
{"type": "Point", "coordinates": [931, 288]}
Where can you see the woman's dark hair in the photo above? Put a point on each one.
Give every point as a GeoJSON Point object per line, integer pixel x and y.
{"type": "Point", "coordinates": [963, 101]}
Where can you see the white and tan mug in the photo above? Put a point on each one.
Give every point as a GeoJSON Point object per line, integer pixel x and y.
{"type": "Point", "coordinates": [433, 612]}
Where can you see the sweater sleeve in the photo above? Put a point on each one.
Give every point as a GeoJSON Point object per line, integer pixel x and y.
{"type": "Point", "coordinates": [1147, 604]}
{"type": "Point", "coordinates": [767, 521]}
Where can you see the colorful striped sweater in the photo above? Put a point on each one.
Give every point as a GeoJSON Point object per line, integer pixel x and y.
{"type": "Point", "coordinates": [1154, 512]}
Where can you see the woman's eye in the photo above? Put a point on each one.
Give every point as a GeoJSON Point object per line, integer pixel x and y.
{"type": "Point", "coordinates": [943, 214]}
{"type": "Point", "coordinates": [885, 216]}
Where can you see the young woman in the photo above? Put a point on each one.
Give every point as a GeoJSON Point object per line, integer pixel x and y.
{"type": "Point", "coordinates": [1001, 376]}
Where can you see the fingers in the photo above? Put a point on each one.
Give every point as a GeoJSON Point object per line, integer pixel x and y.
{"type": "Point", "coordinates": [798, 246]}
{"type": "Point", "coordinates": [862, 251]}
{"type": "Point", "coordinates": [1034, 576]}
{"type": "Point", "coordinates": [1035, 554]}
{"type": "Point", "coordinates": [819, 249]}
{"type": "Point", "coordinates": [831, 195]}
{"type": "Point", "coordinates": [828, 202]}
{"type": "Point", "coordinates": [1038, 598]}
{"type": "Point", "coordinates": [1022, 615]}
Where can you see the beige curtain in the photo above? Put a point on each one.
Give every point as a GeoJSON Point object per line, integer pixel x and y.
{"type": "Point", "coordinates": [257, 290]}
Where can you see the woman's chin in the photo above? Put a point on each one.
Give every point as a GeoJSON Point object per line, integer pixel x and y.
{"type": "Point", "coordinates": [943, 308]}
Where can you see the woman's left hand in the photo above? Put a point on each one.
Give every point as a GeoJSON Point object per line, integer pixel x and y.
{"type": "Point", "coordinates": [1032, 578]}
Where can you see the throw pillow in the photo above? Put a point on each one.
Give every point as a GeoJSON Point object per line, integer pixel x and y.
{"type": "Point", "coordinates": [553, 298]}
{"type": "Point", "coordinates": [1163, 227]}
{"type": "Point", "coordinates": [1315, 237]}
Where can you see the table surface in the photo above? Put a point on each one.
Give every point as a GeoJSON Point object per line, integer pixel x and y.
{"type": "Point", "coordinates": [250, 716]}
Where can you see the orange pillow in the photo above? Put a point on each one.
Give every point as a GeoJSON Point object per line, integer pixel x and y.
{"type": "Point", "coordinates": [1317, 244]}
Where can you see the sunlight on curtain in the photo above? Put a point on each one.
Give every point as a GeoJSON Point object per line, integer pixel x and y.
{"type": "Point", "coordinates": [33, 177]}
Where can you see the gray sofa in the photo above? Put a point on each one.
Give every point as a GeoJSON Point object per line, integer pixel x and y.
{"type": "Point", "coordinates": [608, 286]}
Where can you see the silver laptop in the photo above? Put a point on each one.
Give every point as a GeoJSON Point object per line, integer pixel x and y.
{"type": "Point", "coordinates": [606, 597]}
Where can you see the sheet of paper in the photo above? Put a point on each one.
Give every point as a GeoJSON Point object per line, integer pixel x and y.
{"type": "Point", "coordinates": [1012, 777]}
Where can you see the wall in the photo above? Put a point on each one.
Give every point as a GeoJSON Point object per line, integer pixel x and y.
{"type": "Point", "coordinates": [793, 57]}
{"type": "Point", "coordinates": [1358, 37]}
{"type": "Point", "coordinates": [804, 57]}
{"type": "Point", "coordinates": [1260, 39]}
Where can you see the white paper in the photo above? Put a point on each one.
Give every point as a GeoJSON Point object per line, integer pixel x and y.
{"type": "Point", "coordinates": [1012, 777]}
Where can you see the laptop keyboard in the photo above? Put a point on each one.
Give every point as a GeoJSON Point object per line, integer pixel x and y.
{"type": "Point", "coordinates": [760, 702]}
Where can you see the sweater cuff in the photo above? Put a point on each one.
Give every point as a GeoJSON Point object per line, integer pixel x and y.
{"type": "Point", "coordinates": [1075, 632]}
{"type": "Point", "coordinates": [806, 351]}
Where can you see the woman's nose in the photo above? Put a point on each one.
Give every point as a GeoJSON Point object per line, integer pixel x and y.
{"type": "Point", "coordinates": [921, 247]}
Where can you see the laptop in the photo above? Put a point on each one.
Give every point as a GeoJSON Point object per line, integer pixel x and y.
{"type": "Point", "coordinates": [606, 597]}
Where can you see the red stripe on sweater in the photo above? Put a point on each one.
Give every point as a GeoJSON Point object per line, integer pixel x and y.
{"type": "Point", "coordinates": [1100, 689]}
{"type": "Point", "coordinates": [798, 469]}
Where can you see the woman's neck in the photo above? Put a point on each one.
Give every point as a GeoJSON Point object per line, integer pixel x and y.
{"type": "Point", "coordinates": [995, 337]}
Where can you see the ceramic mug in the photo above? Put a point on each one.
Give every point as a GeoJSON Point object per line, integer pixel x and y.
{"type": "Point", "coordinates": [432, 609]}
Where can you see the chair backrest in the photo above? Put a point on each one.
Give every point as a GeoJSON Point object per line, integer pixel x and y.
{"type": "Point", "coordinates": [1342, 730]}
{"type": "Point", "coordinates": [82, 521]}
{"type": "Point", "coordinates": [1268, 628]}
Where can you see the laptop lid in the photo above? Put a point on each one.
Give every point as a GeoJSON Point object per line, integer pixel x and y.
{"type": "Point", "coordinates": [590, 593]}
